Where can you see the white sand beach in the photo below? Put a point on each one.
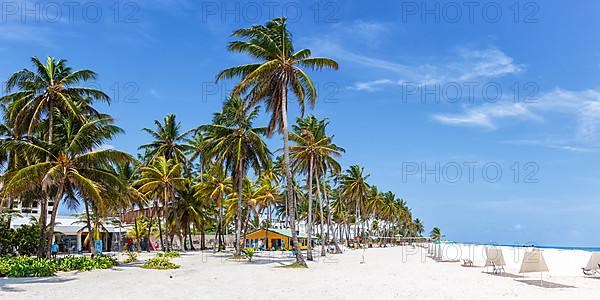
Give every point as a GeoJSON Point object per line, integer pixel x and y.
{"type": "Point", "coordinates": [396, 272]}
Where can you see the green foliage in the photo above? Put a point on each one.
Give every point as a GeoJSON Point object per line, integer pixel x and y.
{"type": "Point", "coordinates": [27, 238]}
{"type": "Point", "coordinates": [249, 252]}
{"type": "Point", "coordinates": [23, 241]}
{"type": "Point", "coordinates": [82, 263]}
{"type": "Point", "coordinates": [159, 263]}
{"type": "Point", "coordinates": [6, 239]}
{"type": "Point", "coordinates": [131, 257]}
{"type": "Point", "coordinates": [172, 254]}
{"type": "Point", "coordinates": [23, 266]}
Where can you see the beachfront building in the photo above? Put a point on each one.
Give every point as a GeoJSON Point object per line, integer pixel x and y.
{"type": "Point", "coordinates": [70, 232]}
{"type": "Point", "coordinates": [275, 239]}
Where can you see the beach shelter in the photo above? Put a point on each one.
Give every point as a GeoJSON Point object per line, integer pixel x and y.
{"type": "Point", "coordinates": [594, 261]}
{"type": "Point", "coordinates": [494, 257]}
{"type": "Point", "coordinates": [533, 261]}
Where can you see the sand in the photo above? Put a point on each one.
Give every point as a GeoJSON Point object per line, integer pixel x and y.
{"type": "Point", "coordinates": [396, 272]}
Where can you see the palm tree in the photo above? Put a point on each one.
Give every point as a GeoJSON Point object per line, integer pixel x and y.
{"type": "Point", "coordinates": [436, 234]}
{"type": "Point", "coordinates": [128, 173]}
{"type": "Point", "coordinates": [160, 181]}
{"type": "Point", "coordinates": [168, 141]}
{"type": "Point", "coordinates": [34, 97]}
{"type": "Point", "coordinates": [73, 165]}
{"type": "Point", "coordinates": [355, 188]}
{"type": "Point", "coordinates": [312, 152]}
{"type": "Point", "coordinates": [278, 71]}
{"type": "Point", "coordinates": [197, 151]}
{"type": "Point", "coordinates": [237, 145]}
{"type": "Point", "coordinates": [215, 187]}
{"type": "Point", "coordinates": [419, 227]}
{"type": "Point", "coordinates": [252, 204]}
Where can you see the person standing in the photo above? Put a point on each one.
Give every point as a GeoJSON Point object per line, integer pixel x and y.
{"type": "Point", "coordinates": [54, 249]}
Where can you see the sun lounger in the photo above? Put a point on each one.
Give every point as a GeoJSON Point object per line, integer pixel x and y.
{"type": "Point", "coordinates": [467, 263]}
{"type": "Point", "coordinates": [498, 269]}
{"type": "Point", "coordinates": [589, 272]}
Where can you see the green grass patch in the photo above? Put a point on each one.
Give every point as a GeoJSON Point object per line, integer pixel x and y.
{"type": "Point", "coordinates": [159, 263]}
{"type": "Point", "coordinates": [169, 254]}
{"type": "Point", "coordinates": [131, 257]}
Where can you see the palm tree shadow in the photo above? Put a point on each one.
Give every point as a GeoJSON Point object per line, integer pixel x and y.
{"type": "Point", "coordinates": [13, 284]}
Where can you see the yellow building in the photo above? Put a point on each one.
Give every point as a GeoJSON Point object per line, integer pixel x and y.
{"type": "Point", "coordinates": [275, 239]}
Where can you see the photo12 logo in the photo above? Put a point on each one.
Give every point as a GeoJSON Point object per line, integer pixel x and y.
{"type": "Point", "coordinates": [68, 12]}
{"type": "Point", "coordinates": [469, 11]}
{"type": "Point", "coordinates": [454, 172]}
{"type": "Point", "coordinates": [236, 12]}
{"type": "Point", "coordinates": [469, 91]}
{"type": "Point", "coordinates": [327, 92]}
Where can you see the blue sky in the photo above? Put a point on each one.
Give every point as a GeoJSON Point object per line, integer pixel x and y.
{"type": "Point", "coordinates": [395, 61]}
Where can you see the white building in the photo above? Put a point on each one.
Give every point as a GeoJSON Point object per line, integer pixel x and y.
{"type": "Point", "coordinates": [70, 233]}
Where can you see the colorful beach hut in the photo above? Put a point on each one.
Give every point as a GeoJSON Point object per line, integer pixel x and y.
{"type": "Point", "coordinates": [275, 239]}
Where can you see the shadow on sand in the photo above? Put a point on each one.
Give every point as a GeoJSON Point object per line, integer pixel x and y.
{"type": "Point", "coordinates": [12, 284]}
{"type": "Point", "coordinates": [545, 284]}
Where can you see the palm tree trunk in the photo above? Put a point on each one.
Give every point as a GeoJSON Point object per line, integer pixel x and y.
{"type": "Point", "coordinates": [288, 177]}
{"type": "Point", "coordinates": [137, 235]}
{"type": "Point", "coordinates": [309, 255]}
{"type": "Point", "coordinates": [238, 228]}
{"type": "Point", "coordinates": [148, 242]}
{"type": "Point", "coordinates": [202, 236]}
{"type": "Point", "coordinates": [324, 239]}
{"type": "Point", "coordinates": [189, 230]}
{"type": "Point", "coordinates": [218, 231]}
{"type": "Point", "coordinates": [89, 226]}
{"type": "Point", "coordinates": [160, 233]}
{"type": "Point", "coordinates": [53, 219]}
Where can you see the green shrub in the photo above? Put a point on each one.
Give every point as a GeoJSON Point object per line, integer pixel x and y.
{"type": "Point", "coordinates": [22, 266]}
{"type": "Point", "coordinates": [168, 254]}
{"type": "Point", "coordinates": [159, 263]}
{"type": "Point", "coordinates": [249, 253]}
{"type": "Point", "coordinates": [72, 263]}
{"type": "Point", "coordinates": [24, 240]}
{"type": "Point", "coordinates": [131, 257]}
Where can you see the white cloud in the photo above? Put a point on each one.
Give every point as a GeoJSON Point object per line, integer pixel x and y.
{"type": "Point", "coordinates": [565, 145]}
{"type": "Point", "coordinates": [154, 93]}
{"type": "Point", "coordinates": [467, 65]}
{"type": "Point", "coordinates": [581, 107]}
{"type": "Point", "coordinates": [486, 116]}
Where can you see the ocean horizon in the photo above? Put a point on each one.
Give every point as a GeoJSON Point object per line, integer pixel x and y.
{"type": "Point", "coordinates": [587, 248]}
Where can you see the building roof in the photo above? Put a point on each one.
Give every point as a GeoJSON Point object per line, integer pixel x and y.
{"type": "Point", "coordinates": [285, 232]}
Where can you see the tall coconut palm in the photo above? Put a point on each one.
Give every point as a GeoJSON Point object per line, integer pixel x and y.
{"type": "Point", "coordinates": [160, 181]}
{"type": "Point", "coordinates": [355, 188]}
{"type": "Point", "coordinates": [279, 71]}
{"type": "Point", "coordinates": [74, 165]}
{"type": "Point", "coordinates": [235, 143]}
{"type": "Point", "coordinates": [313, 151]}
{"type": "Point", "coordinates": [419, 227]}
{"type": "Point", "coordinates": [436, 234]}
{"type": "Point", "coordinates": [197, 151]}
{"type": "Point", "coordinates": [131, 197]}
{"type": "Point", "coordinates": [35, 95]}
{"type": "Point", "coordinates": [215, 187]}
{"type": "Point", "coordinates": [168, 141]}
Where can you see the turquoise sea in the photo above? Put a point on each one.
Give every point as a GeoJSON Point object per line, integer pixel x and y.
{"type": "Point", "coordinates": [590, 249]}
